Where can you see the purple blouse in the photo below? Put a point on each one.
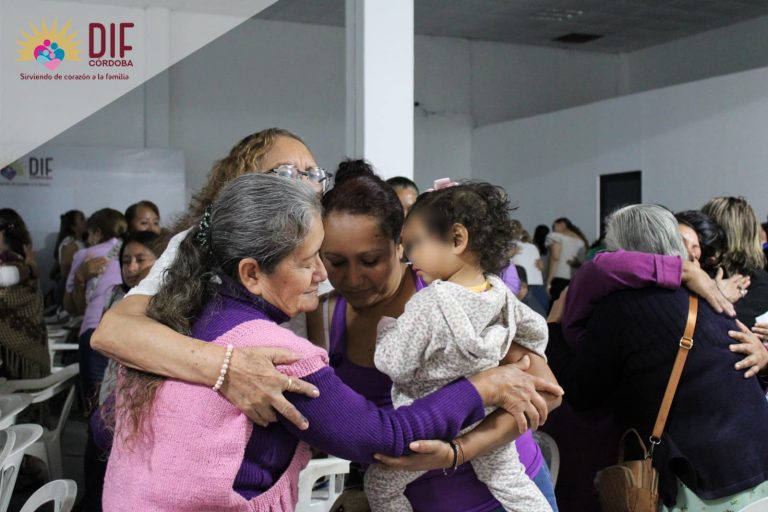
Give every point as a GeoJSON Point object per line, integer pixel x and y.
{"type": "Point", "coordinates": [609, 272]}
{"type": "Point", "coordinates": [341, 422]}
{"type": "Point", "coordinates": [460, 492]}
{"type": "Point", "coordinates": [97, 288]}
{"type": "Point", "coordinates": [510, 278]}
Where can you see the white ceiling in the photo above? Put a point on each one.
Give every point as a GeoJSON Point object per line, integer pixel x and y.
{"type": "Point", "coordinates": [626, 25]}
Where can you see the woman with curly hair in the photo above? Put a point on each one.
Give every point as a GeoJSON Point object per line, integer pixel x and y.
{"type": "Point", "coordinates": [128, 335]}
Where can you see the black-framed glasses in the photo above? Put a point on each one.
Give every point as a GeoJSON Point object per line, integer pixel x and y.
{"type": "Point", "coordinates": [313, 174]}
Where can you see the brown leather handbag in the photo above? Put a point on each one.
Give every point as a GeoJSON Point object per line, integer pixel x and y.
{"type": "Point", "coordinates": [633, 486]}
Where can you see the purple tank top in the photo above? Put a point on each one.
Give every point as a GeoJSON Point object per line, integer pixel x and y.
{"type": "Point", "coordinates": [460, 492]}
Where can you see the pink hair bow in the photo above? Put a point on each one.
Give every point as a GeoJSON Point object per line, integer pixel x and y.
{"type": "Point", "coordinates": [441, 184]}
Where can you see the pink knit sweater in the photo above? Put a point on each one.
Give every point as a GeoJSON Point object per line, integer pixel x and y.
{"type": "Point", "coordinates": [201, 438]}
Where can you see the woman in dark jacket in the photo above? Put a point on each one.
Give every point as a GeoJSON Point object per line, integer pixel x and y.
{"type": "Point", "coordinates": [714, 450]}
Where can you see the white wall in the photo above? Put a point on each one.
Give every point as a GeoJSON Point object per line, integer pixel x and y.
{"type": "Point", "coordinates": [443, 119]}
{"type": "Point", "coordinates": [258, 75]}
{"type": "Point", "coordinates": [512, 81]}
{"type": "Point", "coordinates": [737, 47]}
{"type": "Point", "coordinates": [691, 141]}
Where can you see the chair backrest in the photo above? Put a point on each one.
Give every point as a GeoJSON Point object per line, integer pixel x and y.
{"type": "Point", "coordinates": [66, 408]}
{"type": "Point", "coordinates": [8, 468]}
{"type": "Point", "coordinates": [551, 453]}
{"type": "Point", "coordinates": [332, 467]}
{"type": "Point", "coordinates": [61, 492]}
{"type": "Point", "coordinates": [8, 442]}
{"type": "Point", "coordinates": [45, 388]}
{"type": "Point", "coordinates": [758, 506]}
{"type": "Point", "coordinates": [11, 406]}
{"type": "Point", "coordinates": [21, 437]}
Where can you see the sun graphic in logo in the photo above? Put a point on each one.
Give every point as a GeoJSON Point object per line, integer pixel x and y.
{"type": "Point", "coordinates": [49, 46]}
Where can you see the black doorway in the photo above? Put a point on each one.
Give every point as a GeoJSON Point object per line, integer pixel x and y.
{"type": "Point", "coordinates": [617, 190]}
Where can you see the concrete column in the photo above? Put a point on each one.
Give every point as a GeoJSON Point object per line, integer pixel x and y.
{"type": "Point", "coordinates": [157, 88]}
{"type": "Point", "coordinates": [380, 84]}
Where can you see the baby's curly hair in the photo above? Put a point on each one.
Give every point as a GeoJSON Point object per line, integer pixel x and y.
{"type": "Point", "coordinates": [483, 209]}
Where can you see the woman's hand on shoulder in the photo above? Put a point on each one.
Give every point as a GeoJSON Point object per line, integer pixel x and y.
{"type": "Point", "coordinates": [756, 354]}
{"type": "Point", "coordinates": [254, 386]}
{"type": "Point", "coordinates": [699, 282]}
{"type": "Point", "coordinates": [92, 267]}
{"type": "Point", "coordinates": [735, 287]}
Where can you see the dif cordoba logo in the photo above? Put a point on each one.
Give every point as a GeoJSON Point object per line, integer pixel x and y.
{"type": "Point", "coordinates": [49, 46]}
{"type": "Point", "coordinates": [12, 170]}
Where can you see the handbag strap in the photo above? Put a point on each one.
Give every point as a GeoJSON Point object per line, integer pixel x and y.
{"type": "Point", "coordinates": [686, 343]}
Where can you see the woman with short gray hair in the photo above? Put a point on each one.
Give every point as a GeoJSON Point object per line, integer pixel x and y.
{"type": "Point", "coordinates": [252, 262]}
{"type": "Point", "coordinates": [645, 228]}
{"type": "Point", "coordinates": [712, 452]}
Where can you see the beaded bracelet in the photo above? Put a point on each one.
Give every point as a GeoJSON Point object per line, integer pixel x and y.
{"type": "Point", "coordinates": [224, 368]}
{"type": "Point", "coordinates": [455, 463]}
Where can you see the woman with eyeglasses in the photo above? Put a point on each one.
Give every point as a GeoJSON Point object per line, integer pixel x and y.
{"type": "Point", "coordinates": [127, 334]}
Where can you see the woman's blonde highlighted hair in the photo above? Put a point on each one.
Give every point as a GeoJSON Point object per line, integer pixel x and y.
{"type": "Point", "coordinates": [246, 156]}
{"type": "Point", "coordinates": [743, 252]}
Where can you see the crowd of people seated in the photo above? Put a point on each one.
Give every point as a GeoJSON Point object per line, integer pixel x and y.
{"type": "Point", "coordinates": [293, 312]}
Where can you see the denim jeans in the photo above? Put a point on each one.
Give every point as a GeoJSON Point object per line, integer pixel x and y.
{"type": "Point", "coordinates": [543, 481]}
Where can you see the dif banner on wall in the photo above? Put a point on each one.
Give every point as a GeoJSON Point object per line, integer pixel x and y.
{"type": "Point", "coordinates": [61, 61]}
{"type": "Point", "coordinates": [53, 179]}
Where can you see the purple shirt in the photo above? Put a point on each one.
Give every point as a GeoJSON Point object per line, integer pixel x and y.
{"type": "Point", "coordinates": [510, 278]}
{"type": "Point", "coordinates": [609, 272]}
{"type": "Point", "coordinates": [97, 288]}
{"type": "Point", "coordinates": [341, 422]}
{"type": "Point", "coordinates": [460, 492]}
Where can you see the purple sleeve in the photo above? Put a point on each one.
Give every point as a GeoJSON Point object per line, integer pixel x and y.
{"type": "Point", "coordinates": [345, 424]}
{"type": "Point", "coordinates": [511, 279]}
{"type": "Point", "coordinates": [609, 272]}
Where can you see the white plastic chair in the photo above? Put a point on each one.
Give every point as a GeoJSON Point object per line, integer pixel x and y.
{"type": "Point", "coordinates": [61, 492]}
{"type": "Point", "coordinates": [758, 506]}
{"type": "Point", "coordinates": [321, 501]}
{"type": "Point", "coordinates": [48, 448]}
{"type": "Point", "coordinates": [11, 406]}
{"type": "Point", "coordinates": [58, 345]}
{"type": "Point", "coordinates": [551, 453]}
{"type": "Point", "coordinates": [19, 438]}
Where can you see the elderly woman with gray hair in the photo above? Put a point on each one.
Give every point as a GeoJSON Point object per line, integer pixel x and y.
{"type": "Point", "coordinates": [713, 450]}
{"type": "Point", "coordinates": [252, 262]}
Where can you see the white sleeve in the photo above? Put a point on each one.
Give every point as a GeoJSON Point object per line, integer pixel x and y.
{"type": "Point", "coordinates": [151, 284]}
{"type": "Point", "coordinates": [9, 276]}
{"type": "Point", "coordinates": [553, 238]}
